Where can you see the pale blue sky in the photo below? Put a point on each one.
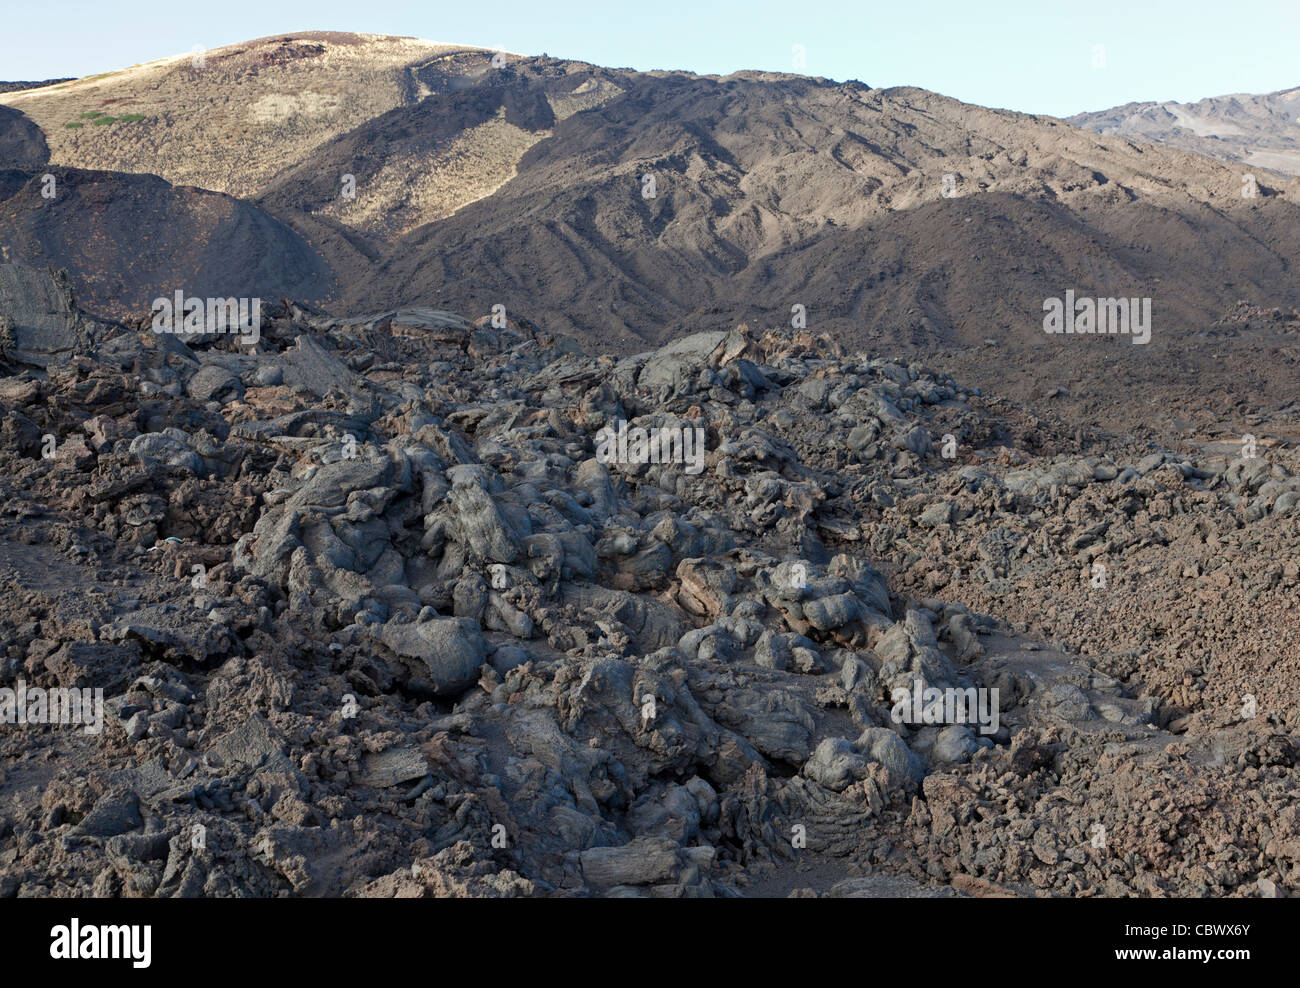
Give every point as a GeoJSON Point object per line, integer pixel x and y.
{"type": "Point", "coordinates": [1024, 55]}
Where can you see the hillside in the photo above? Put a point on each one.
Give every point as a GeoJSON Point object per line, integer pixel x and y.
{"type": "Point", "coordinates": [627, 208]}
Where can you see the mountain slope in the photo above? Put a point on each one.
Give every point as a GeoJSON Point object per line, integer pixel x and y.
{"type": "Point", "coordinates": [772, 191]}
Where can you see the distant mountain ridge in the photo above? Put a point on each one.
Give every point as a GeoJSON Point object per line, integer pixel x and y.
{"type": "Point", "coordinates": [1257, 131]}
{"type": "Point", "coordinates": [14, 87]}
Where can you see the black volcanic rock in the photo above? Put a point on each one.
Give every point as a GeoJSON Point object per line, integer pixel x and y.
{"type": "Point", "coordinates": [14, 87]}
{"type": "Point", "coordinates": [22, 143]}
{"type": "Point", "coordinates": [41, 314]}
{"type": "Point", "coordinates": [128, 239]}
{"type": "Point", "coordinates": [410, 606]}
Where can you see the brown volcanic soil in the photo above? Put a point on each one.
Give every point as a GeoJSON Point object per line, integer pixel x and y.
{"type": "Point", "coordinates": [232, 121]}
{"type": "Point", "coordinates": [1234, 378]}
{"type": "Point", "coordinates": [423, 137]}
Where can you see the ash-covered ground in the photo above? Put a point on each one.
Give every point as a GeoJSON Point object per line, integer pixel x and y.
{"type": "Point", "coordinates": [378, 608]}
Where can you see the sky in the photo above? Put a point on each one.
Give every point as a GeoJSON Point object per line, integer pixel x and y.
{"type": "Point", "coordinates": [1036, 56]}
